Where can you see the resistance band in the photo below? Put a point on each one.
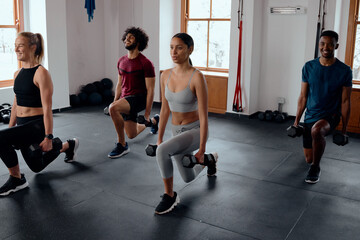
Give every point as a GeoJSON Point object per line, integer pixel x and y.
{"type": "Point", "coordinates": [323, 16]}
{"type": "Point", "coordinates": [318, 31]}
{"type": "Point", "coordinates": [237, 102]}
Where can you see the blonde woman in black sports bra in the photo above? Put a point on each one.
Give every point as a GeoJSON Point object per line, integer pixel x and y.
{"type": "Point", "coordinates": [184, 95]}
{"type": "Point", "coordinates": [31, 118]}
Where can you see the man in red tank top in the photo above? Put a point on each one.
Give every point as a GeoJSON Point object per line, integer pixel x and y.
{"type": "Point", "coordinates": [134, 91]}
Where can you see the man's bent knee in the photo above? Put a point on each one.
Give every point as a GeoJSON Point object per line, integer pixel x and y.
{"type": "Point", "coordinates": [317, 132]}
{"type": "Point", "coordinates": [131, 129]}
{"type": "Point", "coordinates": [131, 135]}
{"type": "Point", "coordinates": [320, 129]}
{"type": "Point", "coordinates": [119, 106]}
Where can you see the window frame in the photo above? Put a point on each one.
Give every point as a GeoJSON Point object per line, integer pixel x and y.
{"type": "Point", "coordinates": [351, 34]}
{"type": "Point", "coordinates": [19, 26]}
{"type": "Point", "coordinates": [185, 18]}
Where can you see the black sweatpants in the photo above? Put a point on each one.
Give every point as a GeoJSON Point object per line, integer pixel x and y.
{"type": "Point", "coordinates": [29, 130]}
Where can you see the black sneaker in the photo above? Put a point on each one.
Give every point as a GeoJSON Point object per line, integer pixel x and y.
{"type": "Point", "coordinates": [313, 175]}
{"type": "Point", "coordinates": [167, 203]}
{"type": "Point", "coordinates": [210, 161]}
{"type": "Point", "coordinates": [71, 151]}
{"type": "Point", "coordinates": [155, 127]}
{"type": "Point", "coordinates": [13, 184]}
{"type": "Point", "coordinates": [119, 150]}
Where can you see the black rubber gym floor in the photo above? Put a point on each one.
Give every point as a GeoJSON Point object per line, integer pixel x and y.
{"type": "Point", "coordinates": [259, 191]}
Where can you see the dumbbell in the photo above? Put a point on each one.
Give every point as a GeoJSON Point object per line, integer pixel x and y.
{"type": "Point", "coordinates": [280, 117]}
{"type": "Point", "coordinates": [269, 115]}
{"type": "Point", "coordinates": [261, 116]}
{"type": "Point", "coordinates": [5, 115]}
{"type": "Point", "coordinates": [6, 105]}
{"type": "Point", "coordinates": [151, 150]}
{"type": "Point", "coordinates": [106, 111]}
{"type": "Point", "coordinates": [189, 161]}
{"type": "Point", "coordinates": [340, 139]}
{"type": "Point", "coordinates": [293, 131]}
{"type": "Point", "coordinates": [35, 151]}
{"type": "Point", "coordinates": [141, 120]}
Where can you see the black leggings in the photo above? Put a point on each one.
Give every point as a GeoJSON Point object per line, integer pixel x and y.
{"type": "Point", "coordinates": [29, 130]}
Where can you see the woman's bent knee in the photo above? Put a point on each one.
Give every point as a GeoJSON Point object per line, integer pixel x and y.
{"type": "Point", "coordinates": [187, 179]}
{"type": "Point", "coordinates": [36, 169]}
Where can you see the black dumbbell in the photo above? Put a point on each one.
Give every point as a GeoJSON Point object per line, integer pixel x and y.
{"type": "Point", "coordinates": [280, 117]}
{"type": "Point", "coordinates": [340, 139]}
{"type": "Point", "coordinates": [5, 115]}
{"type": "Point", "coordinates": [151, 150]}
{"type": "Point", "coordinates": [293, 131]}
{"type": "Point", "coordinates": [35, 151]}
{"type": "Point", "coordinates": [189, 161]}
{"type": "Point", "coordinates": [261, 116]}
{"type": "Point", "coordinates": [141, 120]}
{"type": "Point", "coordinates": [6, 105]}
{"type": "Point", "coordinates": [269, 115]}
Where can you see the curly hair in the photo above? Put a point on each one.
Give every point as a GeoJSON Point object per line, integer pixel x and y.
{"type": "Point", "coordinates": [140, 36]}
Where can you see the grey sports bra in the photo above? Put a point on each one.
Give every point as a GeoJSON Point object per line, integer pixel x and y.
{"type": "Point", "coordinates": [182, 101]}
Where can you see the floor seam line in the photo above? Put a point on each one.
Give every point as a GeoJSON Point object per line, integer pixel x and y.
{"type": "Point", "coordinates": [298, 219]}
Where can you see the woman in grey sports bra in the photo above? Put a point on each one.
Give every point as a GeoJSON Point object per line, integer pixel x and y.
{"type": "Point", "coordinates": [184, 94]}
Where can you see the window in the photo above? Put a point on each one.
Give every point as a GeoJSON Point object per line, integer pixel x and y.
{"type": "Point", "coordinates": [352, 57]}
{"type": "Point", "coordinates": [10, 24]}
{"type": "Point", "coordinates": [208, 22]}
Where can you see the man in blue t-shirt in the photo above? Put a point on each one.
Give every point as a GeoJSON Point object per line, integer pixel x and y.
{"type": "Point", "coordinates": [325, 93]}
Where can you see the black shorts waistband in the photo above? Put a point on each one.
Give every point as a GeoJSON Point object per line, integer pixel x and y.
{"type": "Point", "coordinates": [23, 120]}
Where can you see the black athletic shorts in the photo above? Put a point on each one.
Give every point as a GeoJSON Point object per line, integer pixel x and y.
{"type": "Point", "coordinates": [333, 120]}
{"type": "Point", "coordinates": [137, 104]}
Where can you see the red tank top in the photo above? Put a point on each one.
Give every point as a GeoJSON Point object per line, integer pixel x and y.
{"type": "Point", "coordinates": [133, 73]}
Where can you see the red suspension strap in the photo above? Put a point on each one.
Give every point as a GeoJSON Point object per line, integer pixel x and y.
{"type": "Point", "coordinates": [237, 102]}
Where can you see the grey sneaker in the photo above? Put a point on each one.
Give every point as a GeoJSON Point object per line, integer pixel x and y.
{"type": "Point", "coordinates": [13, 184]}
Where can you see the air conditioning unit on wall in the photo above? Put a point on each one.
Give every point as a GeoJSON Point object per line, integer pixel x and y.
{"type": "Point", "coordinates": [287, 10]}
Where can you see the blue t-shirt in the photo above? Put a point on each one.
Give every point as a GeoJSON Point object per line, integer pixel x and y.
{"type": "Point", "coordinates": [325, 88]}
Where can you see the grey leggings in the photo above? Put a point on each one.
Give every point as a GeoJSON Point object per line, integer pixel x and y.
{"type": "Point", "coordinates": [185, 140]}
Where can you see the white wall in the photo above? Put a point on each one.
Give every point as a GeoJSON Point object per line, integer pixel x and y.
{"type": "Point", "coordinates": [85, 44]}
{"type": "Point", "coordinates": [112, 37]}
{"type": "Point", "coordinates": [283, 50]}
{"type": "Point", "coordinates": [57, 51]}
{"type": "Point", "coordinates": [169, 26]}
{"type": "Point", "coordinates": [146, 16]}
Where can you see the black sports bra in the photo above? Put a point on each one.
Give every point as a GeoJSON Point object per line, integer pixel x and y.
{"type": "Point", "coordinates": [27, 93]}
